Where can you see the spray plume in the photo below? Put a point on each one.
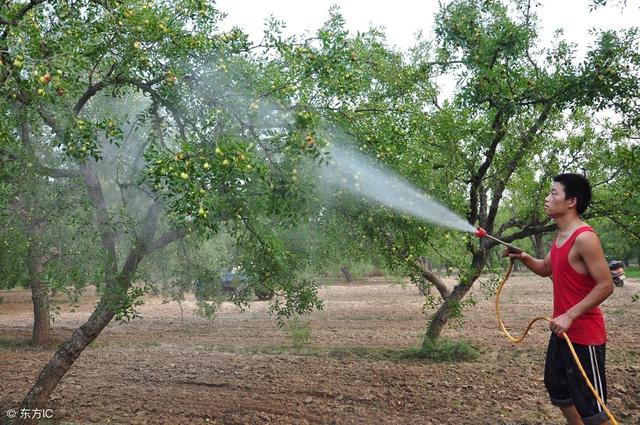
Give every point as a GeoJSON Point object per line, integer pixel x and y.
{"type": "Point", "coordinates": [349, 170]}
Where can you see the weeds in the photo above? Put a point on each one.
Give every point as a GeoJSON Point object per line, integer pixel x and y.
{"type": "Point", "coordinates": [298, 331]}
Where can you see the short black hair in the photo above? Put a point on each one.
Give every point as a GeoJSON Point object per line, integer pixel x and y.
{"type": "Point", "coordinates": [576, 186]}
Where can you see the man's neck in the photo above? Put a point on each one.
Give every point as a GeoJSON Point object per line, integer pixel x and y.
{"type": "Point", "coordinates": [567, 222]}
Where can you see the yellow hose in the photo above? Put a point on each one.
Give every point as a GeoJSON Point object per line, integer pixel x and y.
{"type": "Point", "coordinates": [524, 334]}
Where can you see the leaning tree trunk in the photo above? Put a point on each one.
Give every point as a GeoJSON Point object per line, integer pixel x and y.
{"type": "Point", "coordinates": [116, 287]}
{"type": "Point", "coordinates": [64, 357]}
{"type": "Point", "coordinates": [440, 319]}
{"type": "Point", "coordinates": [71, 349]}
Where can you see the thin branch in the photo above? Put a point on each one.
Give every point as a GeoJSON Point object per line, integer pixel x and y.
{"type": "Point", "coordinates": [499, 131]}
{"type": "Point", "coordinates": [103, 219]}
{"type": "Point", "coordinates": [526, 140]}
{"type": "Point", "coordinates": [148, 88]}
{"type": "Point", "coordinates": [165, 239]}
{"type": "Point", "coordinates": [88, 94]}
{"type": "Point", "coordinates": [435, 280]}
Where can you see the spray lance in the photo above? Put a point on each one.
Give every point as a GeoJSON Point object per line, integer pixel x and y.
{"type": "Point", "coordinates": [511, 249]}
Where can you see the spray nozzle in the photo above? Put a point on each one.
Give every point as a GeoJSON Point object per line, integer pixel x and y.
{"type": "Point", "coordinates": [481, 233]}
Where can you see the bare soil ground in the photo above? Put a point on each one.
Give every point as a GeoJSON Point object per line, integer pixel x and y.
{"type": "Point", "coordinates": [241, 369]}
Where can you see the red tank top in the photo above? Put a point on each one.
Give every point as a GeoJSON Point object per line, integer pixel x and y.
{"type": "Point", "coordinates": [569, 288]}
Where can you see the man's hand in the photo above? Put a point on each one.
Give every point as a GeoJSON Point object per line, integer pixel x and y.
{"type": "Point", "coordinates": [559, 325]}
{"type": "Point", "coordinates": [517, 255]}
{"type": "Point", "coordinates": [539, 267]}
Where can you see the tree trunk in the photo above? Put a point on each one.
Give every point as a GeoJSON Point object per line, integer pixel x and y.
{"type": "Point", "coordinates": [64, 357]}
{"type": "Point", "coordinates": [116, 287]}
{"type": "Point", "coordinates": [39, 296]}
{"type": "Point", "coordinates": [347, 274]}
{"type": "Point", "coordinates": [538, 245]}
{"type": "Point", "coordinates": [439, 320]}
{"type": "Point", "coordinates": [41, 316]}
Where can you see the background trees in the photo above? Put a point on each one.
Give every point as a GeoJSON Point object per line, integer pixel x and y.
{"type": "Point", "coordinates": [128, 126]}
{"type": "Point", "coordinates": [520, 114]}
{"type": "Point", "coordinates": [123, 100]}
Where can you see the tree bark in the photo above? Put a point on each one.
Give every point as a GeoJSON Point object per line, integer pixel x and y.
{"type": "Point", "coordinates": [347, 274]}
{"type": "Point", "coordinates": [429, 276]}
{"type": "Point", "coordinates": [440, 319]}
{"type": "Point", "coordinates": [39, 296]}
{"type": "Point", "coordinates": [64, 358]}
{"type": "Point", "coordinates": [538, 245]}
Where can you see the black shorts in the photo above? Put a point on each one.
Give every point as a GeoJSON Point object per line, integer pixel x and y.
{"type": "Point", "coordinates": [565, 383]}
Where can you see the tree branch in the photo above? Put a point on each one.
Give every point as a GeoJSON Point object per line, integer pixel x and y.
{"type": "Point", "coordinates": [165, 239]}
{"type": "Point", "coordinates": [148, 88]}
{"type": "Point", "coordinates": [524, 233]}
{"type": "Point", "coordinates": [434, 279]}
{"type": "Point", "coordinates": [499, 131]}
{"type": "Point", "coordinates": [88, 94]}
{"type": "Point", "coordinates": [103, 219]}
{"type": "Point", "coordinates": [501, 183]}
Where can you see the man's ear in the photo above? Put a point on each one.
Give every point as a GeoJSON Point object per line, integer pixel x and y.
{"type": "Point", "coordinates": [572, 202]}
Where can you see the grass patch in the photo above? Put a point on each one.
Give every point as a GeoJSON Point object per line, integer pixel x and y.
{"type": "Point", "coordinates": [617, 312]}
{"type": "Point", "coordinates": [445, 350]}
{"type": "Point", "coordinates": [8, 344]}
{"type": "Point", "coordinates": [298, 331]}
{"type": "Point", "coordinates": [632, 272]}
{"type": "Point", "coordinates": [441, 351]}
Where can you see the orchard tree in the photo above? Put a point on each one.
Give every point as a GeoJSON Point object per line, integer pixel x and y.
{"type": "Point", "coordinates": [518, 116]}
{"type": "Point", "coordinates": [203, 144]}
{"type": "Point", "coordinates": [516, 98]}
{"type": "Point", "coordinates": [54, 218]}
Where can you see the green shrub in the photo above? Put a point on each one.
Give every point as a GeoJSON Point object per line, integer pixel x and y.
{"type": "Point", "coordinates": [298, 331]}
{"type": "Point", "coordinates": [444, 350]}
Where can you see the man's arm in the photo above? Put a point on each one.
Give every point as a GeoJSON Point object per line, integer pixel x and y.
{"type": "Point", "coordinates": [539, 267]}
{"type": "Point", "coordinates": [590, 251]}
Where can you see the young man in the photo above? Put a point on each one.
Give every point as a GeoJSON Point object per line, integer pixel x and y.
{"type": "Point", "coordinates": [581, 281]}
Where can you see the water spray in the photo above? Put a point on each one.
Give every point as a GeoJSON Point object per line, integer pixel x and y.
{"type": "Point", "coordinates": [511, 249]}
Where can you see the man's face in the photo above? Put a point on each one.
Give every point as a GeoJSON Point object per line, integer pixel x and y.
{"type": "Point", "coordinates": [556, 202]}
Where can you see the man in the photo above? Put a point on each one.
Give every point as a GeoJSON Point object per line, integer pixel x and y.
{"type": "Point", "coordinates": [581, 282]}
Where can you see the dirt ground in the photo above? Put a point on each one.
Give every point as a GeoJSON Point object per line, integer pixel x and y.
{"type": "Point", "coordinates": [241, 369]}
